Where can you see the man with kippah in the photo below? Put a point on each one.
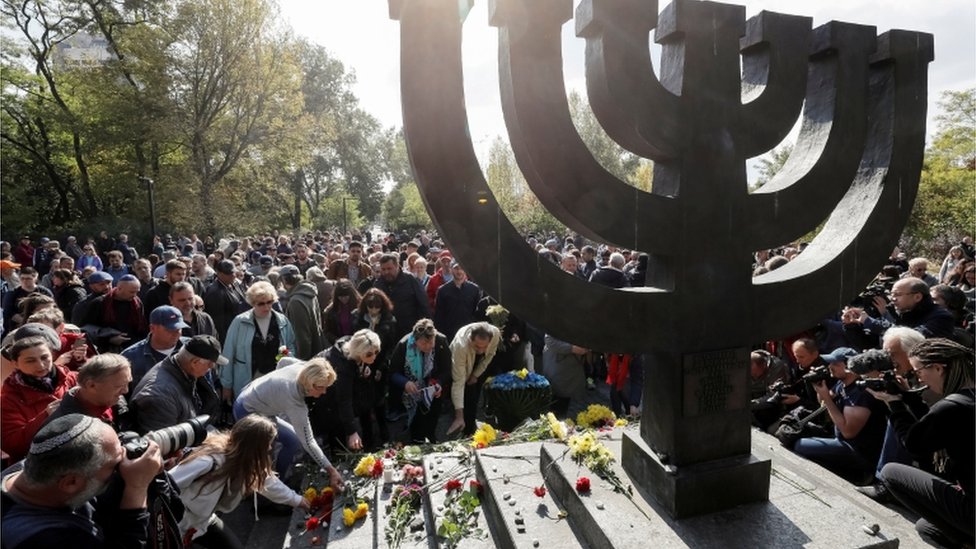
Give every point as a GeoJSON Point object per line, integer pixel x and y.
{"type": "Point", "coordinates": [47, 500]}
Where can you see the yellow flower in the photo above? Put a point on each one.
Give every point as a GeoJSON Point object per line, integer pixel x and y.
{"type": "Point", "coordinates": [364, 466]}
{"type": "Point", "coordinates": [484, 436]}
{"type": "Point", "coordinates": [361, 510]}
{"type": "Point", "coordinates": [310, 494]}
{"type": "Point", "coordinates": [620, 423]}
{"type": "Point", "coordinates": [596, 415]}
{"type": "Point", "coordinates": [556, 426]}
{"type": "Point", "coordinates": [326, 490]}
{"type": "Point", "coordinates": [489, 432]}
{"type": "Point", "coordinates": [348, 516]}
{"type": "Point", "coordinates": [522, 374]}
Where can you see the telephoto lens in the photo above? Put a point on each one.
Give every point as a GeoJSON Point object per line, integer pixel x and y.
{"type": "Point", "coordinates": [170, 439]}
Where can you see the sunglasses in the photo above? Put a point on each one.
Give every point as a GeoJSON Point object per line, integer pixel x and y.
{"type": "Point", "coordinates": [264, 303]}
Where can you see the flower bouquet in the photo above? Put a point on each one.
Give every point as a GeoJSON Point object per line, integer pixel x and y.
{"type": "Point", "coordinates": [512, 397]}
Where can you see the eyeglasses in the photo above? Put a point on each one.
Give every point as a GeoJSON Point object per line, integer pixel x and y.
{"type": "Point", "coordinates": [926, 367]}
{"type": "Point", "coordinates": [264, 303]}
{"type": "Point", "coordinates": [894, 295]}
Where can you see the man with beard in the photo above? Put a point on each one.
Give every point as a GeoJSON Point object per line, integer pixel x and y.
{"type": "Point", "coordinates": [46, 499]}
{"type": "Point", "coordinates": [409, 299]}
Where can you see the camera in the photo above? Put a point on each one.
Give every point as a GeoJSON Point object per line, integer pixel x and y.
{"type": "Point", "coordinates": [818, 374]}
{"type": "Point", "coordinates": [179, 436]}
{"type": "Point", "coordinates": [865, 299]}
{"type": "Point", "coordinates": [887, 383]}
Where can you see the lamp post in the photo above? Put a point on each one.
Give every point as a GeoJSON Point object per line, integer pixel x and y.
{"type": "Point", "coordinates": [152, 205]}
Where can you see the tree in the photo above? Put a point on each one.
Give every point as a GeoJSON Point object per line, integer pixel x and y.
{"type": "Point", "coordinates": [771, 164]}
{"type": "Point", "coordinates": [627, 166]}
{"type": "Point", "coordinates": [943, 211]}
{"type": "Point", "coordinates": [235, 85]}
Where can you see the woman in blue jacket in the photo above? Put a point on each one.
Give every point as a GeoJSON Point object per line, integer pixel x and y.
{"type": "Point", "coordinates": [254, 341]}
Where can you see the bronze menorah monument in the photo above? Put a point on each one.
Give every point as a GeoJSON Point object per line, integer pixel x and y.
{"type": "Point", "coordinates": [728, 89]}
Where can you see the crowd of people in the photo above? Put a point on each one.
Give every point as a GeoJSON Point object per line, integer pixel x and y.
{"type": "Point", "coordinates": [319, 343]}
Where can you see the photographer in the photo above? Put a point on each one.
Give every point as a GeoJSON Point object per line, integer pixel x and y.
{"type": "Point", "coordinates": [912, 306]}
{"type": "Point", "coordinates": [858, 419]}
{"type": "Point", "coordinates": [945, 502]}
{"type": "Point", "coordinates": [46, 500]}
{"type": "Point", "coordinates": [876, 367]}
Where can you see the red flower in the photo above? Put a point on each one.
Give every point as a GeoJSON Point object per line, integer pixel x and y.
{"type": "Point", "coordinates": [453, 484]}
{"type": "Point", "coordinates": [582, 485]}
{"type": "Point", "coordinates": [377, 470]}
{"type": "Point", "coordinates": [477, 487]}
{"type": "Point", "coordinates": [390, 453]}
{"type": "Point", "coordinates": [312, 524]}
{"type": "Point", "coordinates": [539, 491]}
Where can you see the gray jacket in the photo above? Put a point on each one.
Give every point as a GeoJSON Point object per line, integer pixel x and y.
{"type": "Point", "coordinates": [164, 397]}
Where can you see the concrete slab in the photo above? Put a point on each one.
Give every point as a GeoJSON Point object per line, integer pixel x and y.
{"type": "Point", "coordinates": [439, 468]}
{"type": "Point", "coordinates": [520, 519]}
{"type": "Point", "coordinates": [808, 507]}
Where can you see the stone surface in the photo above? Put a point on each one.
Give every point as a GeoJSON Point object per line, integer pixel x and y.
{"type": "Point", "coordinates": [464, 471]}
{"type": "Point", "coordinates": [808, 507]}
{"type": "Point", "coordinates": [856, 165]}
{"type": "Point", "coordinates": [540, 515]}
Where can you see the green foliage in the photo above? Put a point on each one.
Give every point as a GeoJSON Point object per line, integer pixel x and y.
{"type": "Point", "coordinates": [460, 519]}
{"type": "Point", "coordinates": [943, 212]}
{"type": "Point", "coordinates": [241, 126]}
{"type": "Point", "coordinates": [517, 200]}
{"type": "Point", "coordinates": [770, 164]}
{"type": "Point", "coordinates": [404, 208]}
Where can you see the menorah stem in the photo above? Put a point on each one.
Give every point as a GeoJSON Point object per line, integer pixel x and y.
{"type": "Point", "coordinates": [691, 397]}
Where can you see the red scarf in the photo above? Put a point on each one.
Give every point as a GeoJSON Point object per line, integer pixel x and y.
{"type": "Point", "coordinates": [136, 317]}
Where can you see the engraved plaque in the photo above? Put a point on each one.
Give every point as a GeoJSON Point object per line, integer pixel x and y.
{"type": "Point", "coordinates": [714, 382]}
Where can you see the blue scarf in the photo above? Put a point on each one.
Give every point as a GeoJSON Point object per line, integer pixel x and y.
{"type": "Point", "coordinates": [420, 366]}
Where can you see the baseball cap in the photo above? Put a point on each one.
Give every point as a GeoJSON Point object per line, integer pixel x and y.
{"type": "Point", "coordinates": [225, 266]}
{"type": "Point", "coordinates": [99, 276]}
{"type": "Point", "coordinates": [840, 354]}
{"type": "Point", "coordinates": [168, 317]}
{"type": "Point", "coordinates": [205, 347]}
{"type": "Point", "coordinates": [289, 270]}
{"type": "Point", "coordinates": [45, 240]}
{"type": "Point", "coordinates": [266, 260]}
{"type": "Point", "coordinates": [445, 253]}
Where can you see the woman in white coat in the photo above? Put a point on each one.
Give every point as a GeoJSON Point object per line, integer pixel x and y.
{"type": "Point", "coordinates": [220, 473]}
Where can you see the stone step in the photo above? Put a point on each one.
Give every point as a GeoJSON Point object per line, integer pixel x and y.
{"type": "Point", "coordinates": [809, 507]}
{"type": "Point", "coordinates": [439, 468]}
{"type": "Point", "coordinates": [517, 517]}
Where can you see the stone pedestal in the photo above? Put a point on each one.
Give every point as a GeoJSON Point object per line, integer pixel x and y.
{"type": "Point", "coordinates": [696, 489]}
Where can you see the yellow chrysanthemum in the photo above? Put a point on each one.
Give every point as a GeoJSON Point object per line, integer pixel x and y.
{"type": "Point", "coordinates": [484, 436]}
{"type": "Point", "coordinates": [361, 510]}
{"type": "Point", "coordinates": [364, 466]}
{"type": "Point", "coordinates": [311, 493]}
{"type": "Point", "coordinates": [556, 426]}
{"type": "Point", "coordinates": [522, 374]}
{"type": "Point", "coordinates": [620, 423]}
{"type": "Point", "coordinates": [348, 516]}
{"type": "Point", "coordinates": [595, 415]}
{"type": "Point", "coordinates": [326, 490]}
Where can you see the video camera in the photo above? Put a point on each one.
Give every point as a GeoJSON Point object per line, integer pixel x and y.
{"type": "Point", "coordinates": [887, 383]}
{"type": "Point", "coordinates": [865, 299]}
{"type": "Point", "coordinates": [818, 374]}
{"type": "Point", "coordinates": [170, 439]}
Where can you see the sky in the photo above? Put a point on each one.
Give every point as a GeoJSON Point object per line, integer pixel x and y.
{"type": "Point", "coordinates": [361, 35]}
